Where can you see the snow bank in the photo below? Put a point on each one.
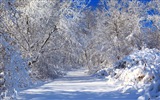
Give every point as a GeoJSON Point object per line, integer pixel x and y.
{"type": "Point", "coordinates": [140, 70]}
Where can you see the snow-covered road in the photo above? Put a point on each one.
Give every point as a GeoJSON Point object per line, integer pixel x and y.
{"type": "Point", "coordinates": [77, 85]}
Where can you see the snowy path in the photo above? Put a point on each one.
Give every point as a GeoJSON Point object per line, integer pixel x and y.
{"type": "Point", "coordinates": [76, 85]}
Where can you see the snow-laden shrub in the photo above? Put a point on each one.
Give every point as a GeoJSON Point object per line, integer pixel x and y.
{"type": "Point", "coordinates": [139, 67]}
{"type": "Point", "coordinates": [14, 71]}
{"type": "Point", "coordinates": [104, 72]}
{"type": "Point", "coordinates": [101, 73]}
{"type": "Point", "coordinates": [141, 71]}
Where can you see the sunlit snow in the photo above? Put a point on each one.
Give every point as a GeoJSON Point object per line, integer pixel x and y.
{"type": "Point", "coordinates": [77, 85]}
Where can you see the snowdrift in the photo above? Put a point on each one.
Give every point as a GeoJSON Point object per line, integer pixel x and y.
{"type": "Point", "coordinates": [140, 70]}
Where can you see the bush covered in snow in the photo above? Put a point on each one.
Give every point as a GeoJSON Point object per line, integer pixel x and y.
{"type": "Point", "coordinates": [13, 70]}
{"type": "Point", "coordinates": [140, 70]}
{"type": "Point", "coordinates": [104, 72]}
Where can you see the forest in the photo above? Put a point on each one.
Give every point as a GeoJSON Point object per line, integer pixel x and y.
{"type": "Point", "coordinates": [42, 40]}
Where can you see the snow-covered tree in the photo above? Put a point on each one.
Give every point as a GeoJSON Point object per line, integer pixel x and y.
{"type": "Point", "coordinates": [14, 70]}
{"type": "Point", "coordinates": [117, 30]}
{"type": "Point", "coordinates": [151, 25]}
{"type": "Point", "coordinates": [42, 31]}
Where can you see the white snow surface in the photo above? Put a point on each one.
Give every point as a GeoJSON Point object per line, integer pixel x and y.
{"type": "Point", "coordinates": [77, 85]}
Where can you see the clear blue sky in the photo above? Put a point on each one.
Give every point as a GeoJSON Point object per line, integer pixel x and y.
{"type": "Point", "coordinates": [95, 2]}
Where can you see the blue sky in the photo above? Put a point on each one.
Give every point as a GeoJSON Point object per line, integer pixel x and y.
{"type": "Point", "coordinates": [95, 2]}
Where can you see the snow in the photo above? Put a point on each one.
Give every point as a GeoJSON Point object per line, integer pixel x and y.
{"type": "Point", "coordinates": [77, 85]}
{"type": "Point", "coordinates": [138, 71]}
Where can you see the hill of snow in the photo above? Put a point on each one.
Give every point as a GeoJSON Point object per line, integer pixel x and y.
{"type": "Point", "coordinates": [140, 71]}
